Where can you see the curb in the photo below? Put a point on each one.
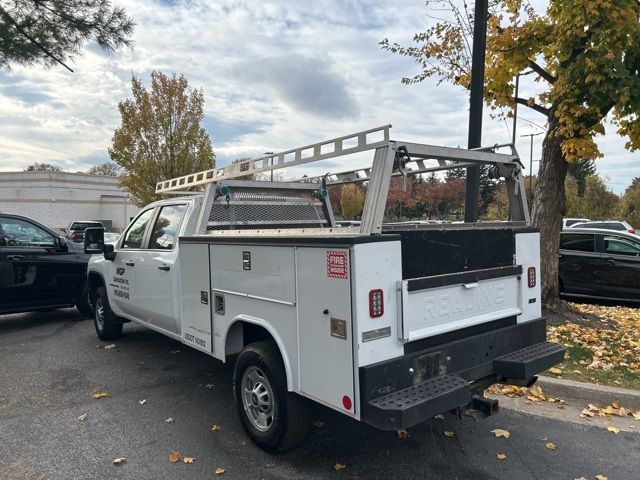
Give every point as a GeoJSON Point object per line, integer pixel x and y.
{"type": "Point", "coordinates": [586, 393]}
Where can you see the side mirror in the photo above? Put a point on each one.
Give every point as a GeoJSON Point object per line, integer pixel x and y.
{"type": "Point", "coordinates": [94, 240]}
{"type": "Point", "coordinates": [109, 252]}
{"type": "Point", "coordinates": [61, 244]}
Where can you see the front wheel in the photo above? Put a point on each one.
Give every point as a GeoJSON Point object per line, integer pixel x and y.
{"type": "Point", "coordinates": [107, 325]}
{"type": "Point", "coordinates": [275, 419]}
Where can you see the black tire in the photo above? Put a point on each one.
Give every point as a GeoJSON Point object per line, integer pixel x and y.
{"type": "Point", "coordinates": [83, 305]}
{"type": "Point", "coordinates": [291, 417]}
{"type": "Point", "coordinates": [107, 325]}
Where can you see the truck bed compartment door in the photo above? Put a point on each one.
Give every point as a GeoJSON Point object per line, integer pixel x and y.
{"type": "Point", "coordinates": [325, 326]}
{"type": "Point", "coordinates": [442, 303]}
{"type": "Point", "coordinates": [195, 296]}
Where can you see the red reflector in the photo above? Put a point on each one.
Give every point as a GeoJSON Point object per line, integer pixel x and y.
{"type": "Point", "coordinates": [531, 276]}
{"type": "Point", "coordinates": [346, 402]}
{"type": "Point", "coordinates": [631, 230]}
{"type": "Point", "coordinates": [376, 303]}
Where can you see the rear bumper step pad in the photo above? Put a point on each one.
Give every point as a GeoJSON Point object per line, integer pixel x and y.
{"type": "Point", "coordinates": [524, 364]}
{"type": "Point", "coordinates": [417, 403]}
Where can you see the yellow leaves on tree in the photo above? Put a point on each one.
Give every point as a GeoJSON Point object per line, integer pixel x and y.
{"type": "Point", "coordinates": [351, 201]}
{"type": "Point", "coordinates": [160, 135]}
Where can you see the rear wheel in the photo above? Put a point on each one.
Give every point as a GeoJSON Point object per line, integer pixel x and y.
{"type": "Point", "coordinates": [275, 419]}
{"type": "Point", "coordinates": [107, 325]}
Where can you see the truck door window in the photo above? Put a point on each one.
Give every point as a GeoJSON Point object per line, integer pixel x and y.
{"type": "Point", "coordinates": [135, 234]}
{"type": "Point", "coordinates": [165, 230]}
{"type": "Point", "coordinates": [582, 242]}
{"type": "Point", "coordinates": [19, 233]}
{"type": "Point", "coordinates": [621, 246]}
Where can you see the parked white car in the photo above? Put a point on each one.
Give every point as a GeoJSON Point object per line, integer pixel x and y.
{"type": "Point", "coordinates": [614, 225]}
{"type": "Point", "coordinates": [569, 222]}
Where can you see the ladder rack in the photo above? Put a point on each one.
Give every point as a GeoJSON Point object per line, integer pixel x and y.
{"type": "Point", "coordinates": [346, 145]}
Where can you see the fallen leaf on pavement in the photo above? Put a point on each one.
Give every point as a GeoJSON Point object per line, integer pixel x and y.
{"type": "Point", "coordinates": [143, 401]}
{"type": "Point", "coordinates": [439, 417]}
{"type": "Point", "coordinates": [119, 460]}
{"type": "Point", "coordinates": [216, 428]}
{"type": "Point", "coordinates": [581, 478]}
{"type": "Point", "coordinates": [501, 456]}
{"type": "Point", "coordinates": [402, 434]}
{"type": "Point", "coordinates": [174, 457]}
{"type": "Point", "coordinates": [188, 459]}
{"type": "Point", "coordinates": [550, 445]}
{"type": "Point", "coordinates": [555, 371]}
{"type": "Point", "coordinates": [169, 420]}
{"type": "Point", "coordinates": [109, 347]}
{"type": "Point", "coordinates": [173, 352]}
{"type": "Point", "coordinates": [318, 424]}
{"type": "Point", "coordinates": [601, 477]}
{"type": "Point", "coordinates": [270, 465]}
{"type": "Point", "coordinates": [82, 417]}
{"type": "Point", "coordinates": [40, 477]}
{"type": "Point", "coordinates": [209, 385]}
{"type": "Point", "coordinates": [219, 471]}
{"type": "Point", "coordinates": [613, 429]}
{"type": "Point", "coordinates": [98, 395]}
{"type": "Point", "coordinates": [498, 432]}
{"type": "Point", "coordinates": [339, 466]}
{"type": "Point", "coordinates": [448, 433]}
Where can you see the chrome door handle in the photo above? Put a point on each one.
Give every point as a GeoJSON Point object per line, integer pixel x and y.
{"type": "Point", "coordinates": [129, 264]}
{"type": "Point", "coordinates": [166, 268]}
{"type": "Point", "coordinates": [15, 257]}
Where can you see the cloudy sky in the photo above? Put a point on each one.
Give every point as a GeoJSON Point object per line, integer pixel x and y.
{"type": "Point", "coordinates": [276, 75]}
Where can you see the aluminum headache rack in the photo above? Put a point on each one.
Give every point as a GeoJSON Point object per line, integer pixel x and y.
{"type": "Point", "coordinates": [240, 205]}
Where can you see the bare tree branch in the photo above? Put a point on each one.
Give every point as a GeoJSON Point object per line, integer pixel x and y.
{"type": "Point", "coordinates": [542, 72]}
{"type": "Point", "coordinates": [538, 108]}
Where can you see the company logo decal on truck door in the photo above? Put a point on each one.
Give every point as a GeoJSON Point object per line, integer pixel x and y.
{"type": "Point", "coordinates": [337, 264]}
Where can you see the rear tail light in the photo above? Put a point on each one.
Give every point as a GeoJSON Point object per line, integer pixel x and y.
{"type": "Point", "coordinates": [531, 277]}
{"type": "Point", "coordinates": [74, 236]}
{"type": "Point", "coordinates": [631, 230]}
{"type": "Point", "coordinates": [376, 303]}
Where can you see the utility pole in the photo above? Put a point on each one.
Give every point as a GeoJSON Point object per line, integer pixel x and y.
{"type": "Point", "coordinates": [475, 107]}
{"type": "Point", "coordinates": [515, 110]}
{"type": "Point", "coordinates": [531, 135]}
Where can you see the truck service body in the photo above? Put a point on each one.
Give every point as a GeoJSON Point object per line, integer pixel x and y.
{"type": "Point", "coordinates": [388, 324]}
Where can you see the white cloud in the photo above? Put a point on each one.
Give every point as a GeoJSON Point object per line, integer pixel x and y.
{"type": "Point", "coordinates": [276, 75]}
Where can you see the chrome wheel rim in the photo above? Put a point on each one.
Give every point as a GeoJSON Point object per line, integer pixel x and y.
{"type": "Point", "coordinates": [99, 314]}
{"type": "Point", "coordinates": [257, 398]}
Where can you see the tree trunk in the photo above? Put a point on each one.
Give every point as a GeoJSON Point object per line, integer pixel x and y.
{"type": "Point", "coordinates": [548, 209]}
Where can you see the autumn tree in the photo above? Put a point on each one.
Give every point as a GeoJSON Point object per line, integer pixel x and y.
{"type": "Point", "coordinates": [351, 201]}
{"type": "Point", "coordinates": [400, 198]}
{"type": "Point", "coordinates": [51, 31]}
{"type": "Point", "coordinates": [106, 169]}
{"type": "Point", "coordinates": [586, 55]}
{"type": "Point", "coordinates": [630, 205]}
{"type": "Point", "coordinates": [441, 198]}
{"type": "Point", "coordinates": [42, 167]}
{"type": "Point", "coordinates": [160, 136]}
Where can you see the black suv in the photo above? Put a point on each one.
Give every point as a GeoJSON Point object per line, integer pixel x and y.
{"type": "Point", "coordinates": [39, 269]}
{"type": "Point", "coordinates": [75, 231]}
{"type": "Point", "coordinates": [600, 264]}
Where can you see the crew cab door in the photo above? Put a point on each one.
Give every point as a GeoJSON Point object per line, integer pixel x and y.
{"type": "Point", "coordinates": [36, 269]}
{"type": "Point", "coordinates": [156, 299]}
{"type": "Point", "coordinates": [121, 282]}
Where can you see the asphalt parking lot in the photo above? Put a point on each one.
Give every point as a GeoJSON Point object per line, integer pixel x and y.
{"type": "Point", "coordinates": [52, 362]}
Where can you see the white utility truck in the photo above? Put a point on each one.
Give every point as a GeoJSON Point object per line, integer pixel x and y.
{"type": "Point", "coordinates": [387, 324]}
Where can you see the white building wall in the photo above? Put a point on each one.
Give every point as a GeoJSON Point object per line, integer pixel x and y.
{"type": "Point", "coordinates": [55, 199]}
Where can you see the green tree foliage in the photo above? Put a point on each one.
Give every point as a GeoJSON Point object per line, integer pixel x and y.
{"type": "Point", "coordinates": [351, 201]}
{"type": "Point", "coordinates": [597, 203]}
{"type": "Point", "coordinates": [586, 54]}
{"type": "Point", "coordinates": [580, 170]}
{"type": "Point", "coordinates": [42, 167]}
{"type": "Point", "coordinates": [106, 169]}
{"type": "Point", "coordinates": [49, 31]}
{"type": "Point", "coordinates": [630, 205]}
{"type": "Point", "coordinates": [160, 136]}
